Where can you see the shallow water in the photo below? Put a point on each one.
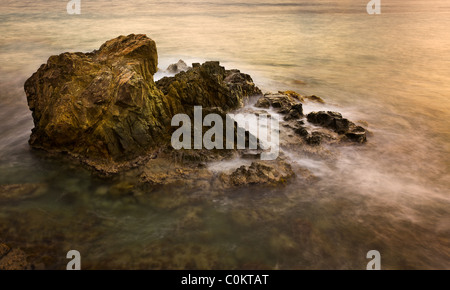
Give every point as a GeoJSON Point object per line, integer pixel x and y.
{"type": "Point", "coordinates": [392, 194]}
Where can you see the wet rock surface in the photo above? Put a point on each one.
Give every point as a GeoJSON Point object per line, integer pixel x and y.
{"type": "Point", "coordinates": [209, 85]}
{"type": "Point", "coordinates": [281, 102]}
{"type": "Point", "coordinates": [259, 172]}
{"type": "Point", "coordinates": [302, 98]}
{"type": "Point", "coordinates": [335, 127]}
{"type": "Point", "coordinates": [340, 125]}
{"type": "Point", "coordinates": [101, 105]}
{"type": "Point", "coordinates": [104, 108]}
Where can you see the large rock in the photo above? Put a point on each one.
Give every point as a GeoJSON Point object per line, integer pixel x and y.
{"type": "Point", "coordinates": [104, 106]}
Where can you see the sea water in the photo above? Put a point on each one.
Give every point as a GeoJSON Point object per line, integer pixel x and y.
{"type": "Point", "coordinates": [391, 71]}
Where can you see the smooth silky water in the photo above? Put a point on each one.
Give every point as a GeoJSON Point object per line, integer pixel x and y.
{"type": "Point", "coordinates": [391, 194]}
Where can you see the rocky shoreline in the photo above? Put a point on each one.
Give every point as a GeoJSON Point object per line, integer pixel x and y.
{"type": "Point", "coordinates": [104, 109]}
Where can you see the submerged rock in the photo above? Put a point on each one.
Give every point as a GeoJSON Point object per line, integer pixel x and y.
{"type": "Point", "coordinates": [18, 192]}
{"type": "Point", "coordinates": [260, 172]}
{"type": "Point", "coordinates": [301, 98]}
{"type": "Point", "coordinates": [314, 98]}
{"type": "Point", "coordinates": [13, 259]}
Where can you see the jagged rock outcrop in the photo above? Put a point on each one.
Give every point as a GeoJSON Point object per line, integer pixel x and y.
{"type": "Point", "coordinates": [284, 103]}
{"type": "Point", "coordinates": [209, 85]}
{"type": "Point", "coordinates": [102, 104]}
{"type": "Point", "coordinates": [104, 107]}
{"type": "Point", "coordinates": [340, 125]}
{"type": "Point", "coordinates": [289, 103]}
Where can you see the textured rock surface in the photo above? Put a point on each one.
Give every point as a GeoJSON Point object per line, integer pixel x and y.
{"type": "Point", "coordinates": [302, 98]}
{"type": "Point", "coordinates": [209, 85]}
{"type": "Point", "coordinates": [289, 103]}
{"type": "Point", "coordinates": [285, 102]}
{"type": "Point", "coordinates": [260, 172]}
{"type": "Point", "coordinates": [104, 106]}
{"type": "Point", "coordinates": [340, 125]}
